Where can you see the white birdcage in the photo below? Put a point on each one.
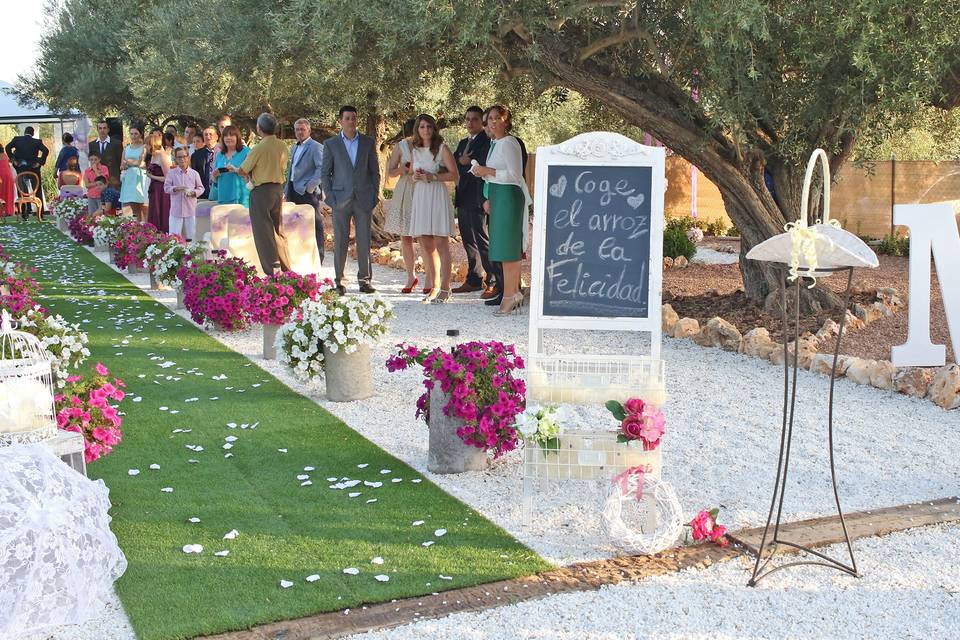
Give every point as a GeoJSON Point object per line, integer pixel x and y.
{"type": "Point", "coordinates": [27, 413]}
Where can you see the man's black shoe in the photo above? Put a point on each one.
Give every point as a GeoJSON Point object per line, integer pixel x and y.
{"type": "Point", "coordinates": [342, 290]}
{"type": "Point", "coordinates": [366, 288]}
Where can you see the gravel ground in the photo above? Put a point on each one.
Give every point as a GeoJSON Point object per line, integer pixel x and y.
{"type": "Point", "coordinates": [720, 448]}
{"type": "Point", "coordinates": [907, 592]}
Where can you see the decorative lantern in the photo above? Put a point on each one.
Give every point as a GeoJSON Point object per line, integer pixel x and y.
{"type": "Point", "coordinates": [27, 413]}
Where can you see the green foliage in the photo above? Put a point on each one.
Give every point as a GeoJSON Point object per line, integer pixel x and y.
{"type": "Point", "coordinates": [894, 246]}
{"type": "Point", "coordinates": [716, 228]}
{"type": "Point", "coordinates": [676, 243]}
{"type": "Point", "coordinates": [616, 409]}
{"type": "Point", "coordinates": [733, 232]}
{"type": "Point", "coordinates": [929, 134]}
{"type": "Point", "coordinates": [683, 223]}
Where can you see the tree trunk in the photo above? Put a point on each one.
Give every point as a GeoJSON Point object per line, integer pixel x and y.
{"type": "Point", "coordinates": [376, 128]}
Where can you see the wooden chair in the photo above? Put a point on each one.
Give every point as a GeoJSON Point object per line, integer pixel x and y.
{"type": "Point", "coordinates": [27, 184]}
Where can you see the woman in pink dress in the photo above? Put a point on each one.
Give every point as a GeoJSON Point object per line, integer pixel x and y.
{"type": "Point", "coordinates": [8, 188]}
{"type": "Point", "coordinates": [158, 213]}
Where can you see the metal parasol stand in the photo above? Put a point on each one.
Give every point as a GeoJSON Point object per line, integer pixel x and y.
{"type": "Point", "coordinates": [762, 567]}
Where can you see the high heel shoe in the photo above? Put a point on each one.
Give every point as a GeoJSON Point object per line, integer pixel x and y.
{"type": "Point", "coordinates": [431, 296]}
{"type": "Point", "coordinates": [443, 297]}
{"type": "Point", "coordinates": [413, 286]}
{"type": "Point", "coordinates": [427, 290]}
{"type": "Point", "coordinates": [513, 306]}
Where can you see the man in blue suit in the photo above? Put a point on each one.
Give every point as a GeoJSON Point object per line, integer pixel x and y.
{"type": "Point", "coordinates": [350, 178]}
{"type": "Point", "coordinates": [303, 176]}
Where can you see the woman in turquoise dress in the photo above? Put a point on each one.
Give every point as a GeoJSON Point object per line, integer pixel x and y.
{"type": "Point", "coordinates": [133, 192]}
{"type": "Point", "coordinates": [231, 188]}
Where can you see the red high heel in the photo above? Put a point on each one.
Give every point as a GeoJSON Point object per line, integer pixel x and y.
{"type": "Point", "coordinates": [410, 289]}
{"type": "Point", "coordinates": [427, 290]}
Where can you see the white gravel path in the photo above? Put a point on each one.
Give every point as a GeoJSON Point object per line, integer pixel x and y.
{"type": "Point", "coordinates": [720, 448]}
{"type": "Point", "coordinates": [706, 255]}
{"type": "Point", "coordinates": [910, 590]}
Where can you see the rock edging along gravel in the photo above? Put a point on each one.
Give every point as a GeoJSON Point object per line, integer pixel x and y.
{"type": "Point", "coordinates": [939, 385]}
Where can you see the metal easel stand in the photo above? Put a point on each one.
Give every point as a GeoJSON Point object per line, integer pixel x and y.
{"type": "Point", "coordinates": [768, 548]}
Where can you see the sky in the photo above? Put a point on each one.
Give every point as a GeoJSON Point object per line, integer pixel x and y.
{"type": "Point", "coordinates": [18, 46]}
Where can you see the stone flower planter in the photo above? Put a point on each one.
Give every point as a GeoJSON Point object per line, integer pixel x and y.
{"type": "Point", "coordinates": [348, 376]}
{"type": "Point", "coordinates": [154, 285]}
{"type": "Point", "coordinates": [447, 452]}
{"type": "Point", "coordinates": [269, 341]}
{"type": "Point", "coordinates": [180, 298]}
{"type": "Point", "coordinates": [133, 268]}
{"type": "Point", "coordinates": [62, 224]}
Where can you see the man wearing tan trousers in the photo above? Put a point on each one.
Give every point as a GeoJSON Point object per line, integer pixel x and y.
{"type": "Point", "coordinates": [265, 167]}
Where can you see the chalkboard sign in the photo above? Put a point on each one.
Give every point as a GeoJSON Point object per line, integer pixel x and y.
{"type": "Point", "coordinates": [596, 252]}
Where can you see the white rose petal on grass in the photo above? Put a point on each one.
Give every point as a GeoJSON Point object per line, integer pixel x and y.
{"type": "Point", "coordinates": [306, 483]}
{"type": "Point", "coordinates": [428, 543]}
{"type": "Point", "coordinates": [303, 476]}
{"type": "Point", "coordinates": [371, 500]}
{"type": "Point", "coordinates": [396, 480]}
{"type": "Point", "coordinates": [377, 560]}
{"type": "Point", "coordinates": [440, 532]}
{"type": "Point", "coordinates": [133, 472]}
{"type": "Point", "coordinates": [417, 523]}
{"type": "Point", "coordinates": [164, 408]}
{"type": "Point", "coordinates": [222, 554]}
{"type": "Point", "coordinates": [167, 490]}
{"type": "Point", "coordinates": [194, 520]}
{"type": "Point", "coordinates": [334, 479]}
{"type": "Point", "coordinates": [285, 584]}
{"type": "Point", "coordinates": [353, 494]}
{"type": "Point", "coordinates": [282, 450]}
{"type": "Point", "coordinates": [228, 445]}
{"type": "Point", "coordinates": [312, 578]}
{"type": "Point", "coordinates": [193, 548]}
{"type": "Point", "coordinates": [228, 455]}
{"type": "Point", "coordinates": [231, 439]}
{"type": "Point", "coordinates": [154, 467]}
{"type": "Point", "coordinates": [230, 535]}
{"type": "Point", "coordinates": [417, 480]}
{"type": "Point", "coordinates": [311, 469]}
{"type": "Point", "coordinates": [384, 472]}
{"type": "Point", "coordinates": [351, 571]}
{"type": "Point", "coordinates": [372, 484]}
{"type": "Point", "coordinates": [382, 578]}
{"type": "Point", "coordinates": [363, 466]}
{"type": "Point", "coordinates": [443, 577]}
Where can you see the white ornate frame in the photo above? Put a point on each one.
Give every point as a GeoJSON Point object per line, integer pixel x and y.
{"type": "Point", "coordinates": [598, 149]}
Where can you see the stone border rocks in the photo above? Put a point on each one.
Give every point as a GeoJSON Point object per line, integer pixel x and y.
{"type": "Point", "coordinates": [941, 386]}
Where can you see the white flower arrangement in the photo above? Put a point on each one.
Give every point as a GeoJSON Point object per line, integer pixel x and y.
{"type": "Point", "coordinates": [106, 228]}
{"type": "Point", "coordinates": [166, 258]}
{"type": "Point", "coordinates": [70, 207]}
{"type": "Point", "coordinates": [64, 341]}
{"type": "Point", "coordinates": [337, 322]}
{"type": "Point", "coordinates": [542, 425]}
{"type": "Point", "coordinates": [695, 235]}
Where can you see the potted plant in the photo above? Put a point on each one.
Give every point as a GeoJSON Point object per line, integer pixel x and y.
{"type": "Point", "coordinates": [272, 300]}
{"type": "Point", "coordinates": [212, 290]}
{"type": "Point", "coordinates": [81, 228]}
{"type": "Point", "coordinates": [330, 337]}
{"type": "Point", "coordinates": [471, 401]}
{"type": "Point", "coordinates": [164, 260]}
{"type": "Point", "coordinates": [66, 207]}
{"type": "Point", "coordinates": [106, 228]}
{"type": "Point", "coordinates": [133, 238]}
{"type": "Point", "coordinates": [84, 407]}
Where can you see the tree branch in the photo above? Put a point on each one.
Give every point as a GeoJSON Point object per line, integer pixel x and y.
{"type": "Point", "coordinates": [618, 38]}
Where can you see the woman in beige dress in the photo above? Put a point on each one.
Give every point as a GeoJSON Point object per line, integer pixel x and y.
{"type": "Point", "coordinates": [400, 214]}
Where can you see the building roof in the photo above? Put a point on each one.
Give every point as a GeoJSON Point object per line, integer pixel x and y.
{"type": "Point", "coordinates": [11, 112]}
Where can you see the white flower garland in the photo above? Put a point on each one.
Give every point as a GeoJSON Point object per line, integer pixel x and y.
{"type": "Point", "coordinates": [340, 322]}
{"type": "Point", "coordinates": [64, 341]}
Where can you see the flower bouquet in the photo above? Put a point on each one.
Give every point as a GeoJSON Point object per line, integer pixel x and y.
{"type": "Point", "coordinates": [165, 257]}
{"type": "Point", "coordinates": [329, 325]}
{"type": "Point", "coordinates": [64, 341]}
{"type": "Point", "coordinates": [67, 207]}
{"type": "Point", "coordinates": [17, 286]}
{"type": "Point", "coordinates": [106, 229]}
{"type": "Point", "coordinates": [212, 290]}
{"type": "Point", "coordinates": [480, 390]}
{"type": "Point", "coordinates": [133, 238]}
{"type": "Point", "coordinates": [84, 407]}
{"type": "Point", "coordinates": [639, 421]}
{"type": "Point", "coordinates": [542, 425]}
{"type": "Point", "coordinates": [273, 299]}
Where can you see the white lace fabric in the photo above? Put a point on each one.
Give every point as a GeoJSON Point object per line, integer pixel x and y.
{"type": "Point", "coordinates": [58, 557]}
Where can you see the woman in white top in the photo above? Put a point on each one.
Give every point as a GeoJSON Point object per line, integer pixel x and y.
{"type": "Point", "coordinates": [400, 215]}
{"type": "Point", "coordinates": [509, 200]}
{"type": "Point", "coordinates": [432, 210]}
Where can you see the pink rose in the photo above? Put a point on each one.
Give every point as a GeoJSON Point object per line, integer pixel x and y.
{"type": "Point", "coordinates": [634, 405]}
{"type": "Point", "coordinates": [717, 535]}
{"type": "Point", "coordinates": [702, 525]}
{"type": "Point", "coordinates": [102, 370]}
{"type": "Point", "coordinates": [632, 427]}
{"type": "Point", "coordinates": [652, 429]}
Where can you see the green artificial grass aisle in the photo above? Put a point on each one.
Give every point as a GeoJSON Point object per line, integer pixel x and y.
{"type": "Point", "coordinates": [186, 380]}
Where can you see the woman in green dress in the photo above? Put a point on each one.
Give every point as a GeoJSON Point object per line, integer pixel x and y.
{"type": "Point", "coordinates": [509, 201]}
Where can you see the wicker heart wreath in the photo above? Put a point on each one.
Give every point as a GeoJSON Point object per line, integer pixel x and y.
{"type": "Point", "coordinates": [633, 495]}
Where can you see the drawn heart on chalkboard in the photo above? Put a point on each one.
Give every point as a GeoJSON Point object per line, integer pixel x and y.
{"type": "Point", "coordinates": [556, 190]}
{"type": "Point", "coordinates": [635, 201]}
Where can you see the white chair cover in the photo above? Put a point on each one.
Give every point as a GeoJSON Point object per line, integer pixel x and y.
{"type": "Point", "coordinates": [71, 190]}
{"type": "Point", "coordinates": [58, 557]}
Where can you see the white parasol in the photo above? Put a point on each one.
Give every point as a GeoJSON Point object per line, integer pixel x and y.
{"type": "Point", "coordinates": [58, 557]}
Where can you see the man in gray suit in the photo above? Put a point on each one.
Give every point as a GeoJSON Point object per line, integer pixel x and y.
{"type": "Point", "coordinates": [303, 181]}
{"type": "Point", "coordinates": [350, 176]}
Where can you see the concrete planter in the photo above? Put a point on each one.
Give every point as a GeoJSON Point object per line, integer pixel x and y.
{"type": "Point", "coordinates": [180, 298]}
{"type": "Point", "coordinates": [348, 375]}
{"type": "Point", "coordinates": [269, 340]}
{"type": "Point", "coordinates": [133, 268]}
{"type": "Point", "coordinates": [154, 285]}
{"type": "Point", "coordinates": [447, 452]}
{"type": "Point", "coordinates": [63, 225]}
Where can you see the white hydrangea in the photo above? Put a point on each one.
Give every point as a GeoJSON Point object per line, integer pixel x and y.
{"type": "Point", "coordinates": [340, 322]}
